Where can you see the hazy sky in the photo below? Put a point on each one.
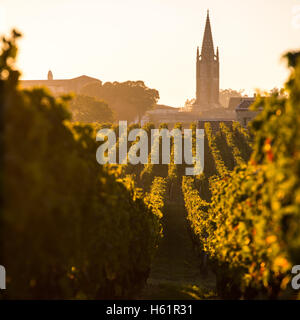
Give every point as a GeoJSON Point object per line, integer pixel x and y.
{"type": "Point", "coordinates": [154, 40]}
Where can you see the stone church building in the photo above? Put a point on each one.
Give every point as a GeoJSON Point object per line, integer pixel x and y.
{"type": "Point", "coordinates": [207, 73]}
{"type": "Point", "coordinates": [206, 105]}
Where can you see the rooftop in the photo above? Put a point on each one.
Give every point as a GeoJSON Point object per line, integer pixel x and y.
{"type": "Point", "coordinates": [245, 104]}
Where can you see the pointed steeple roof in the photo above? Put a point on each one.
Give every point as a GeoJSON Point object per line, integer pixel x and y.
{"type": "Point", "coordinates": [207, 44]}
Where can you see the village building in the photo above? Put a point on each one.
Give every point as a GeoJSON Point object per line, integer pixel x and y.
{"type": "Point", "coordinates": [58, 87]}
{"type": "Point", "coordinates": [243, 112]}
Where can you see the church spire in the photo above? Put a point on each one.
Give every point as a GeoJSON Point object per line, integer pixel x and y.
{"type": "Point", "coordinates": [207, 73]}
{"type": "Point", "coordinates": [207, 45]}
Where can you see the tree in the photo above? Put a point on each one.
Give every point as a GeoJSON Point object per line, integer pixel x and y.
{"type": "Point", "coordinates": [129, 100]}
{"type": "Point", "coordinates": [226, 94]}
{"type": "Point", "coordinates": [188, 103]}
{"type": "Point", "coordinates": [89, 109]}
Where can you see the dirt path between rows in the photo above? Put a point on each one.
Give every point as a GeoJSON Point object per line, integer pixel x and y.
{"type": "Point", "coordinates": [175, 272]}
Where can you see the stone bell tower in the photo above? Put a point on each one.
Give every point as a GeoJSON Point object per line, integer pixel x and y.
{"type": "Point", "coordinates": [207, 73]}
